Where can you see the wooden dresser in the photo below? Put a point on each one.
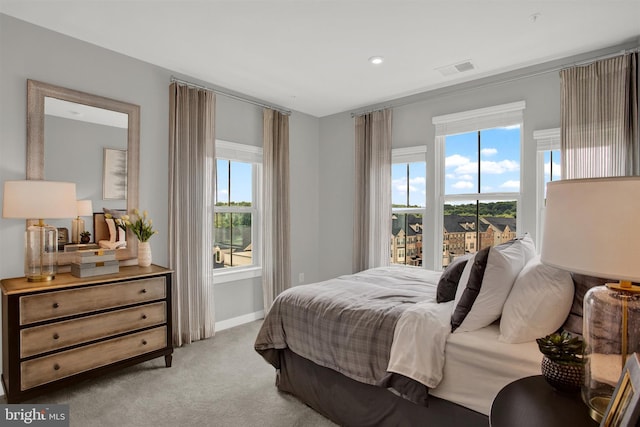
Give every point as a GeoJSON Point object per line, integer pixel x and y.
{"type": "Point", "coordinates": [70, 329]}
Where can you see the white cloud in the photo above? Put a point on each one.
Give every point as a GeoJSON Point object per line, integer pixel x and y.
{"type": "Point", "coordinates": [468, 168]}
{"type": "Point", "coordinates": [556, 169]}
{"type": "Point", "coordinates": [450, 176]}
{"type": "Point", "coordinates": [499, 167]}
{"type": "Point", "coordinates": [466, 177]}
{"type": "Point", "coordinates": [223, 192]}
{"type": "Point", "coordinates": [489, 151]}
{"type": "Point", "coordinates": [463, 185]}
{"type": "Point", "coordinates": [510, 184]}
{"type": "Point", "coordinates": [456, 160]}
{"type": "Point", "coordinates": [415, 184]}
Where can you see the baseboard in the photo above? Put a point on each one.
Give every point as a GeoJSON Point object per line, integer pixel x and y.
{"type": "Point", "coordinates": [240, 320]}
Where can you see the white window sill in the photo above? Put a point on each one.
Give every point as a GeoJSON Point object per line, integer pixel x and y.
{"type": "Point", "coordinates": [232, 274]}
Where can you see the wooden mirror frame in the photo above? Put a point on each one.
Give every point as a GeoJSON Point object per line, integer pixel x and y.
{"type": "Point", "coordinates": [36, 93]}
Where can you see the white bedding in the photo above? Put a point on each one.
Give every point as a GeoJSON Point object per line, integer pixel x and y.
{"type": "Point", "coordinates": [478, 366]}
{"type": "Point", "coordinates": [421, 359]}
{"type": "Point", "coordinates": [467, 368]}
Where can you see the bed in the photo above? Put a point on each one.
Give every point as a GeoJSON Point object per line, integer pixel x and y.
{"type": "Point", "coordinates": [387, 346]}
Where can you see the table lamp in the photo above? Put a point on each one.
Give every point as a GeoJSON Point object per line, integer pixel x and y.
{"type": "Point", "coordinates": [36, 199]}
{"type": "Point", "coordinates": [591, 227]}
{"type": "Point", "coordinates": [85, 208]}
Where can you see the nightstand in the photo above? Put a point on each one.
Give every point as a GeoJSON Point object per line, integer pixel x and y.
{"type": "Point", "coordinates": [533, 402]}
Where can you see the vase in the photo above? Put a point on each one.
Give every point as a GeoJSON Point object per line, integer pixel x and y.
{"type": "Point", "coordinates": [144, 254]}
{"type": "Point", "coordinates": [562, 376]}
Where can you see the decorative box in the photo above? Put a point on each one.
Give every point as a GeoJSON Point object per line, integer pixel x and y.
{"type": "Point", "coordinates": [75, 247]}
{"type": "Point", "coordinates": [94, 255]}
{"type": "Point", "coordinates": [89, 269]}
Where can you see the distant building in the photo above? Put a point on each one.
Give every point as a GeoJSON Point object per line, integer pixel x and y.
{"type": "Point", "coordinates": [406, 239]}
{"type": "Point", "coordinates": [462, 235]}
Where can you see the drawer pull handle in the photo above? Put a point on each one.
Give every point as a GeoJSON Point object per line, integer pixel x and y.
{"type": "Point", "coordinates": [56, 367]}
{"type": "Point", "coordinates": [144, 316]}
{"type": "Point", "coordinates": [56, 336]}
{"type": "Point", "coordinates": [144, 342]}
{"type": "Point", "coordinates": [56, 305]}
{"type": "Point", "coordinates": [144, 291]}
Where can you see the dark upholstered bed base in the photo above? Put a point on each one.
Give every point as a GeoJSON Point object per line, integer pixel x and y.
{"type": "Point", "coordinates": [351, 403]}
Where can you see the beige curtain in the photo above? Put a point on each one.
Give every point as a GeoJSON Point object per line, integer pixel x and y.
{"type": "Point", "coordinates": [372, 211]}
{"type": "Point", "coordinates": [599, 119]}
{"type": "Point", "coordinates": [276, 265]}
{"type": "Point", "coordinates": [191, 186]}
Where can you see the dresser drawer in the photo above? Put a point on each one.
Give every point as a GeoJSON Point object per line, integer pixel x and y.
{"type": "Point", "coordinates": [52, 305]}
{"type": "Point", "coordinates": [64, 364]}
{"type": "Point", "coordinates": [59, 335]}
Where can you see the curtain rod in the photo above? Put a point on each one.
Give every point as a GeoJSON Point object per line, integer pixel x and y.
{"type": "Point", "coordinates": [494, 83]}
{"type": "Point", "coordinates": [228, 95]}
{"type": "Point", "coordinates": [363, 112]}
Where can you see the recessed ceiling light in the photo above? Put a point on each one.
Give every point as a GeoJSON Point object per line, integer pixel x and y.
{"type": "Point", "coordinates": [376, 60]}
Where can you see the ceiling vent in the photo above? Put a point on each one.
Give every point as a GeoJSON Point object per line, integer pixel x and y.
{"type": "Point", "coordinates": [460, 67]}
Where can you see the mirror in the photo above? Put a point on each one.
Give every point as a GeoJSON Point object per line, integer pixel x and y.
{"type": "Point", "coordinates": [90, 140]}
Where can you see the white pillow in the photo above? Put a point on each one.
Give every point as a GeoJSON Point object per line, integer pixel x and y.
{"type": "Point", "coordinates": [538, 304]}
{"type": "Point", "coordinates": [116, 234]}
{"type": "Point", "coordinates": [529, 247]}
{"type": "Point", "coordinates": [112, 229]}
{"type": "Point", "coordinates": [503, 264]}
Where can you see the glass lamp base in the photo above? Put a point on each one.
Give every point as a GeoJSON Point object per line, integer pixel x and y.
{"type": "Point", "coordinates": [41, 247]}
{"type": "Point", "coordinates": [598, 406]}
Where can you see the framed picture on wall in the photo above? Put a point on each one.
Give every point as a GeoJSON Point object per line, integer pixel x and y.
{"type": "Point", "coordinates": [114, 181]}
{"type": "Point", "coordinates": [624, 407]}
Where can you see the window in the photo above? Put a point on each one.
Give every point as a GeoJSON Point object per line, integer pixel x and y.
{"type": "Point", "coordinates": [479, 155]}
{"type": "Point", "coordinates": [408, 180]}
{"type": "Point", "coordinates": [237, 209]}
{"type": "Point", "coordinates": [548, 169]}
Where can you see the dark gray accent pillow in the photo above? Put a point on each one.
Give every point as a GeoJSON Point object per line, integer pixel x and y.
{"type": "Point", "coordinates": [472, 288]}
{"type": "Point", "coordinates": [448, 283]}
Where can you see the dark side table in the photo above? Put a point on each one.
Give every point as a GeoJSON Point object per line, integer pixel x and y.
{"type": "Point", "coordinates": [533, 402]}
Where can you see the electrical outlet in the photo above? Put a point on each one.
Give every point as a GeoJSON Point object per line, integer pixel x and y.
{"type": "Point", "coordinates": [301, 278]}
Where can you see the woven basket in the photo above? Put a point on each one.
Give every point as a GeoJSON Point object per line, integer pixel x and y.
{"type": "Point", "coordinates": [563, 377]}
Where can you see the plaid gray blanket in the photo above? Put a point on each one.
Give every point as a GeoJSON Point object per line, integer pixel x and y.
{"type": "Point", "coordinates": [345, 324]}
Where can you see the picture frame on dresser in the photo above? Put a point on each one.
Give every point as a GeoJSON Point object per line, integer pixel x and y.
{"type": "Point", "coordinates": [624, 407]}
{"type": "Point", "coordinates": [70, 329]}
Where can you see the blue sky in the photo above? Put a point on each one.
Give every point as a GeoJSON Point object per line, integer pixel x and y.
{"type": "Point", "coordinates": [499, 163]}
{"type": "Point", "coordinates": [241, 181]}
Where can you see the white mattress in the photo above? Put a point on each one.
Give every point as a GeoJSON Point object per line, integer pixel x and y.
{"type": "Point", "coordinates": [477, 366]}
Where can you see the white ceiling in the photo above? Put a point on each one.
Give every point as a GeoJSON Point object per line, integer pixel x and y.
{"type": "Point", "coordinates": [312, 55]}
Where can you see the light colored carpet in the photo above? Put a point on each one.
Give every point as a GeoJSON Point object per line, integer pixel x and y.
{"type": "Point", "coordinates": [216, 382]}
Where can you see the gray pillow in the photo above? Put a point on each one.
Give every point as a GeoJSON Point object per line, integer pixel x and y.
{"type": "Point", "coordinates": [448, 283]}
{"type": "Point", "coordinates": [472, 288]}
{"type": "Point", "coordinates": [115, 213]}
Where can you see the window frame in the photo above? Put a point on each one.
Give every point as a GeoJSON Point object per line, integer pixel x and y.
{"type": "Point", "coordinates": [232, 151]}
{"type": "Point", "coordinates": [546, 140]}
{"type": "Point", "coordinates": [464, 122]}
{"type": "Point", "coordinates": [416, 154]}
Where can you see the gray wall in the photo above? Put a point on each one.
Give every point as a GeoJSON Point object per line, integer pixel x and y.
{"type": "Point", "coordinates": [31, 52]}
{"type": "Point", "coordinates": [538, 86]}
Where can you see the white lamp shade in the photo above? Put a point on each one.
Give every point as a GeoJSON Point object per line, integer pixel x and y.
{"type": "Point", "coordinates": [85, 208]}
{"type": "Point", "coordinates": [35, 199]}
{"type": "Point", "coordinates": [591, 227]}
